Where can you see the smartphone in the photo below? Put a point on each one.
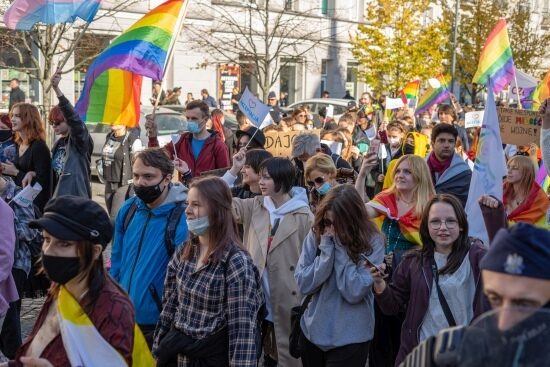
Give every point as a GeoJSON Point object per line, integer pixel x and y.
{"type": "Point", "coordinates": [366, 259]}
{"type": "Point", "coordinates": [374, 146]}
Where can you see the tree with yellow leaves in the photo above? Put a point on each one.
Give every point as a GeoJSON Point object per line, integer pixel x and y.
{"type": "Point", "coordinates": [398, 43]}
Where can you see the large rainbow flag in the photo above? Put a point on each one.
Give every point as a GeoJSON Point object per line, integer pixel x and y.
{"type": "Point", "coordinates": [112, 89]}
{"type": "Point", "coordinates": [436, 93]}
{"type": "Point", "coordinates": [23, 14]}
{"type": "Point", "coordinates": [541, 92]}
{"type": "Point", "coordinates": [496, 62]}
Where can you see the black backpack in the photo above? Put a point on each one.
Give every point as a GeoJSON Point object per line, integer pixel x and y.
{"type": "Point", "coordinates": [173, 219]}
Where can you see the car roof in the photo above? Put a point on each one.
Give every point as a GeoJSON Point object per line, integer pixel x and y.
{"type": "Point", "coordinates": [341, 101]}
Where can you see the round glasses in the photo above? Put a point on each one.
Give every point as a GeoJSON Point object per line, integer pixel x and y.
{"type": "Point", "coordinates": [449, 223]}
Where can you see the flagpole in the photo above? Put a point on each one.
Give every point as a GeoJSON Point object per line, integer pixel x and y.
{"type": "Point", "coordinates": [517, 89]}
{"type": "Point", "coordinates": [417, 97]}
{"type": "Point", "coordinates": [179, 28]}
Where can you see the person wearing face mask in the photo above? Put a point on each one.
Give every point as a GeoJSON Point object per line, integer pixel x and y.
{"type": "Point", "coordinates": [213, 298]}
{"type": "Point", "coordinates": [7, 145]}
{"type": "Point", "coordinates": [72, 152]}
{"type": "Point", "coordinates": [275, 226]}
{"type": "Point", "coordinates": [320, 173]}
{"type": "Point", "coordinates": [197, 150]}
{"type": "Point", "coordinates": [76, 231]}
{"type": "Point", "coordinates": [142, 244]}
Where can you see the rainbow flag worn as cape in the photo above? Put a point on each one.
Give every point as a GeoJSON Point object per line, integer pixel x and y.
{"type": "Point", "coordinates": [23, 14]}
{"type": "Point", "coordinates": [532, 210]}
{"type": "Point", "coordinates": [496, 62]}
{"type": "Point", "coordinates": [385, 204]}
{"type": "Point", "coordinates": [85, 346]}
{"type": "Point", "coordinates": [112, 89]}
{"type": "Point", "coordinates": [541, 92]}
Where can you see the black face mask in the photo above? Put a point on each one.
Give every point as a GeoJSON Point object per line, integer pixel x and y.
{"type": "Point", "coordinates": [61, 269]}
{"type": "Point", "coordinates": [5, 134]}
{"type": "Point", "coordinates": [149, 193]}
{"type": "Point", "coordinates": [408, 149]}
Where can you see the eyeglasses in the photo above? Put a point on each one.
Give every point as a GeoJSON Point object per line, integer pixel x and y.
{"type": "Point", "coordinates": [317, 180]}
{"type": "Point", "coordinates": [449, 223]}
{"type": "Point", "coordinates": [55, 123]}
{"type": "Point", "coordinates": [327, 222]}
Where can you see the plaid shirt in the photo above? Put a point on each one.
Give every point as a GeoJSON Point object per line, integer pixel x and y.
{"type": "Point", "coordinates": [201, 302]}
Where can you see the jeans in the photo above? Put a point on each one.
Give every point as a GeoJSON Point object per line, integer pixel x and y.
{"type": "Point", "coordinates": [351, 355]}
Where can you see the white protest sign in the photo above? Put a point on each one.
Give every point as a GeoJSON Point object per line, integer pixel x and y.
{"type": "Point", "coordinates": [26, 196]}
{"type": "Point", "coordinates": [394, 103]}
{"type": "Point", "coordinates": [253, 109]}
{"type": "Point", "coordinates": [473, 119]}
{"type": "Point", "coordinates": [334, 146]}
{"type": "Point", "coordinates": [330, 111]}
{"type": "Point", "coordinates": [525, 84]}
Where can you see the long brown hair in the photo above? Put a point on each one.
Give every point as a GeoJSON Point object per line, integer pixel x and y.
{"type": "Point", "coordinates": [527, 170]}
{"type": "Point", "coordinates": [32, 123]}
{"type": "Point", "coordinates": [460, 247]}
{"type": "Point", "coordinates": [223, 230]}
{"type": "Point", "coordinates": [352, 226]}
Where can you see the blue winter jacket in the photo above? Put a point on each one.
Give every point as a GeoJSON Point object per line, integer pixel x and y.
{"type": "Point", "coordinates": [139, 258]}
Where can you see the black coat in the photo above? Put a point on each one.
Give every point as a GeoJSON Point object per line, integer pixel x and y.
{"type": "Point", "coordinates": [16, 96]}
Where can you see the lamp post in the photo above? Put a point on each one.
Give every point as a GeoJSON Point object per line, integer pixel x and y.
{"type": "Point", "coordinates": [455, 35]}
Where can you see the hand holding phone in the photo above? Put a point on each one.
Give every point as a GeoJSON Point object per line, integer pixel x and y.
{"type": "Point", "coordinates": [369, 264]}
{"type": "Point", "coordinates": [374, 146]}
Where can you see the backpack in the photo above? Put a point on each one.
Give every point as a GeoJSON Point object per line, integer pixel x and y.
{"type": "Point", "coordinates": [173, 219]}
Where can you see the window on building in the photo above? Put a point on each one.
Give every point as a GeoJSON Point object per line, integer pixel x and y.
{"type": "Point", "coordinates": [289, 4]}
{"type": "Point", "coordinates": [351, 77]}
{"type": "Point", "coordinates": [323, 84]}
{"type": "Point", "coordinates": [324, 7]}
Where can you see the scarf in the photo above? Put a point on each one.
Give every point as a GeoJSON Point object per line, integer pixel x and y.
{"type": "Point", "coordinates": [437, 167]}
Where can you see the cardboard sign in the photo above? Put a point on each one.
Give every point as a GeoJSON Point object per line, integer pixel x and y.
{"type": "Point", "coordinates": [519, 127]}
{"type": "Point", "coordinates": [279, 143]}
{"type": "Point", "coordinates": [473, 119]}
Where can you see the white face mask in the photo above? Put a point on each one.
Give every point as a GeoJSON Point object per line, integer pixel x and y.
{"type": "Point", "coordinates": [394, 141]}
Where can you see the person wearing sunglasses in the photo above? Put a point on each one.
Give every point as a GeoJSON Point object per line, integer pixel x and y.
{"type": "Point", "coordinates": [438, 285]}
{"type": "Point", "coordinates": [72, 152]}
{"type": "Point", "coordinates": [320, 174]}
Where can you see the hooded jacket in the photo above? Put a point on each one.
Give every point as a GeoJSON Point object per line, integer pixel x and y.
{"type": "Point", "coordinates": [455, 180]}
{"type": "Point", "coordinates": [139, 258]}
{"type": "Point", "coordinates": [75, 178]}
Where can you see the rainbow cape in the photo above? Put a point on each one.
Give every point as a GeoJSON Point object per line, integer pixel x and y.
{"type": "Point", "coordinates": [541, 92]}
{"type": "Point", "coordinates": [409, 224]}
{"type": "Point", "coordinates": [436, 93]}
{"type": "Point", "coordinates": [496, 62]}
{"type": "Point", "coordinates": [532, 210]}
{"type": "Point", "coordinates": [112, 90]}
{"type": "Point", "coordinates": [85, 346]}
{"type": "Point", "coordinates": [23, 14]}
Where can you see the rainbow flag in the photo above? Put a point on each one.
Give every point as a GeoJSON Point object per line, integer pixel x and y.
{"type": "Point", "coordinates": [542, 92]}
{"type": "Point", "coordinates": [85, 346]}
{"type": "Point", "coordinates": [23, 14]}
{"type": "Point", "coordinates": [437, 92]}
{"type": "Point", "coordinates": [411, 89]}
{"type": "Point", "coordinates": [112, 89]}
{"type": "Point", "coordinates": [496, 62]}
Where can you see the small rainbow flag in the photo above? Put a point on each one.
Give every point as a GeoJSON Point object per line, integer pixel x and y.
{"type": "Point", "coordinates": [436, 93]}
{"type": "Point", "coordinates": [496, 62]}
{"type": "Point", "coordinates": [542, 92]}
{"type": "Point", "coordinates": [23, 14]}
{"type": "Point", "coordinates": [411, 89]}
{"type": "Point", "coordinates": [112, 89]}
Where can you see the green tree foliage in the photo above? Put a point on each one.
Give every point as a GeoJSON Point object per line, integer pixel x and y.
{"type": "Point", "coordinates": [399, 43]}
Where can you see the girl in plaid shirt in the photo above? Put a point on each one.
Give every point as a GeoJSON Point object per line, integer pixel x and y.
{"type": "Point", "coordinates": [212, 291]}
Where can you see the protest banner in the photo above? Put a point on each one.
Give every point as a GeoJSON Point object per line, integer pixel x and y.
{"type": "Point", "coordinates": [279, 143]}
{"type": "Point", "coordinates": [473, 119]}
{"type": "Point", "coordinates": [519, 127]}
{"type": "Point", "coordinates": [229, 76]}
{"type": "Point", "coordinates": [394, 103]}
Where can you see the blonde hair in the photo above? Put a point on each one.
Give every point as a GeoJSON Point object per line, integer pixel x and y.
{"type": "Point", "coordinates": [321, 162]}
{"type": "Point", "coordinates": [527, 171]}
{"type": "Point", "coordinates": [424, 188]}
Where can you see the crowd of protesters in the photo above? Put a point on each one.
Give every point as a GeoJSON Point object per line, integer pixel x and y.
{"type": "Point", "coordinates": [224, 255]}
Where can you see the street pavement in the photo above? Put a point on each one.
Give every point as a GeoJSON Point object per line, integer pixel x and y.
{"type": "Point", "coordinates": [31, 307]}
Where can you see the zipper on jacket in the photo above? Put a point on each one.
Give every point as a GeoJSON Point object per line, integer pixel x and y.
{"type": "Point", "coordinates": [138, 252]}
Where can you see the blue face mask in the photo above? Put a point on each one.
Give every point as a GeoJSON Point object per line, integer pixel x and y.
{"type": "Point", "coordinates": [324, 188]}
{"type": "Point", "coordinates": [193, 126]}
{"type": "Point", "coordinates": [198, 226]}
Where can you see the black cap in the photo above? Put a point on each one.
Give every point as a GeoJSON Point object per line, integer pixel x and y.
{"type": "Point", "coordinates": [74, 218]}
{"type": "Point", "coordinates": [523, 250]}
{"type": "Point", "coordinates": [259, 137]}
{"type": "Point", "coordinates": [271, 95]}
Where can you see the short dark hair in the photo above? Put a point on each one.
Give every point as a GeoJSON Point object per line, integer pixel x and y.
{"type": "Point", "coordinates": [199, 104]}
{"type": "Point", "coordinates": [17, 80]}
{"type": "Point", "coordinates": [443, 129]}
{"type": "Point", "coordinates": [325, 93]}
{"type": "Point", "coordinates": [255, 157]}
{"type": "Point", "coordinates": [204, 90]}
{"type": "Point", "coordinates": [241, 118]}
{"type": "Point", "coordinates": [282, 171]}
{"type": "Point", "coordinates": [449, 110]}
{"type": "Point", "coordinates": [155, 157]}
{"type": "Point", "coordinates": [322, 112]}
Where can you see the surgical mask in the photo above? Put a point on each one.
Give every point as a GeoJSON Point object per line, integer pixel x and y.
{"type": "Point", "coordinates": [193, 126]}
{"type": "Point", "coordinates": [149, 193]}
{"type": "Point", "coordinates": [324, 188]}
{"type": "Point", "coordinates": [198, 226]}
{"type": "Point", "coordinates": [5, 134]}
{"type": "Point", "coordinates": [393, 140]}
{"type": "Point", "coordinates": [61, 269]}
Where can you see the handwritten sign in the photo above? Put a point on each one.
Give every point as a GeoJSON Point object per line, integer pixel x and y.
{"type": "Point", "coordinates": [519, 127]}
{"type": "Point", "coordinates": [279, 143]}
{"type": "Point", "coordinates": [473, 119]}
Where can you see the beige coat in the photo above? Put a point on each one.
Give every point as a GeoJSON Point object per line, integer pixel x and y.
{"type": "Point", "coordinates": [281, 261]}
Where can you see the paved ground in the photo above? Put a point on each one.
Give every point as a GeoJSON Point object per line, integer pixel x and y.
{"type": "Point", "coordinates": [31, 307]}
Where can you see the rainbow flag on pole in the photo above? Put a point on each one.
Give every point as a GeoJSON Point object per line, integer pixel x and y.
{"type": "Point", "coordinates": [23, 14]}
{"type": "Point", "coordinates": [496, 62]}
{"type": "Point", "coordinates": [112, 89]}
{"type": "Point", "coordinates": [436, 93]}
{"type": "Point", "coordinates": [542, 92]}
